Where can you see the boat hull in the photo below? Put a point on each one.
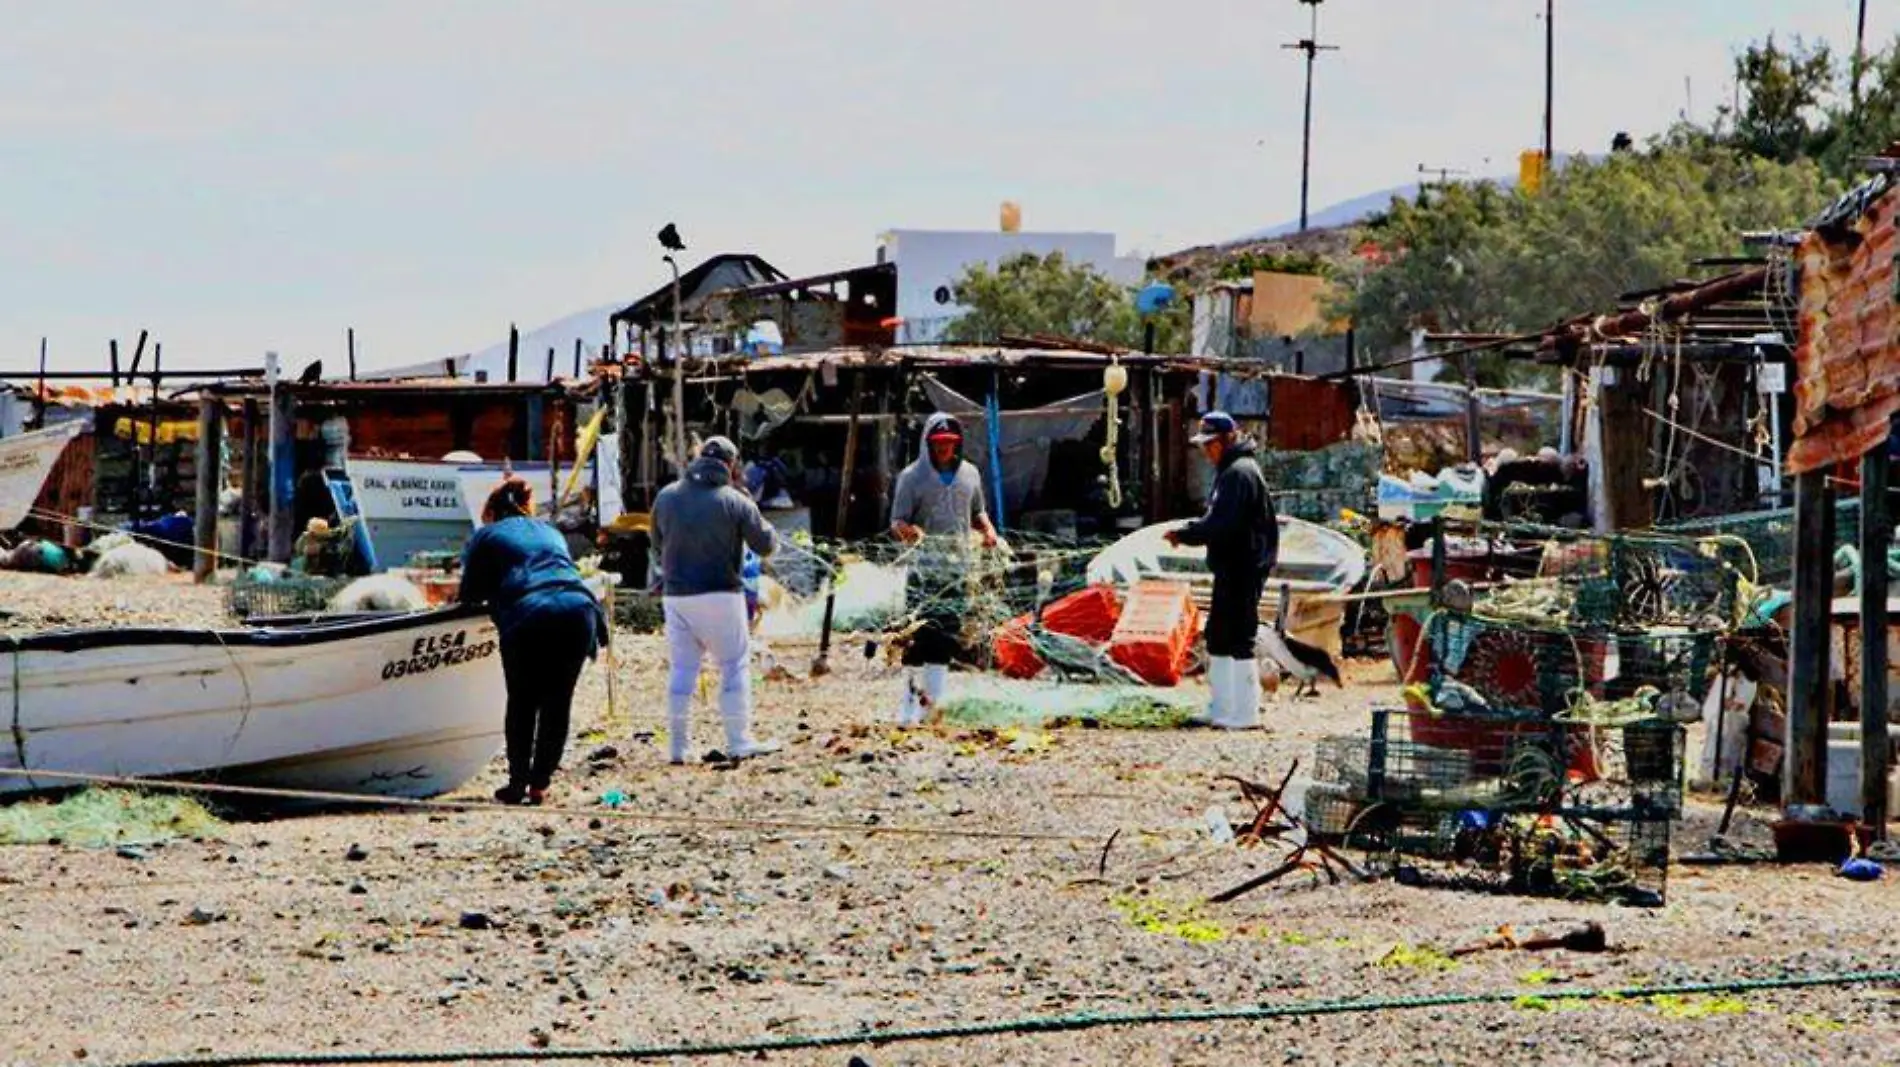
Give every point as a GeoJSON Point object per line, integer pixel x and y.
{"type": "Point", "coordinates": [406, 706]}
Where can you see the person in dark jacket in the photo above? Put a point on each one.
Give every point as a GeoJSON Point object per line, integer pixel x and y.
{"type": "Point", "coordinates": [936, 505]}
{"type": "Point", "coordinates": [702, 526]}
{"type": "Point", "coordinates": [550, 622]}
{"type": "Point", "coordinates": [1242, 537]}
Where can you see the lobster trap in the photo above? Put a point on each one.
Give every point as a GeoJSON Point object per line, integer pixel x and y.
{"type": "Point", "coordinates": [248, 598]}
{"type": "Point", "coordinates": [1481, 665]}
{"type": "Point", "coordinates": [1762, 542]}
{"type": "Point", "coordinates": [1568, 809]}
{"type": "Point", "coordinates": [1626, 581]}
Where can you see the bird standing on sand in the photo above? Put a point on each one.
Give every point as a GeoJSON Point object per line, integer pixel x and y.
{"type": "Point", "coordinates": [1294, 657]}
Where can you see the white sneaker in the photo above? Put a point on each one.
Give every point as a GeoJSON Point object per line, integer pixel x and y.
{"type": "Point", "coordinates": [679, 741]}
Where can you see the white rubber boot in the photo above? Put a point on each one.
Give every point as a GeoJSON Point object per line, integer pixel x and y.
{"type": "Point", "coordinates": [1219, 668]}
{"type": "Point", "coordinates": [936, 680]}
{"type": "Point", "coordinates": [910, 710]}
{"type": "Point", "coordinates": [679, 728]}
{"type": "Point", "coordinates": [1243, 695]}
{"type": "Point", "coordinates": [735, 707]}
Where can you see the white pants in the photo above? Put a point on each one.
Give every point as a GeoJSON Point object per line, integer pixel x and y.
{"type": "Point", "coordinates": [709, 624]}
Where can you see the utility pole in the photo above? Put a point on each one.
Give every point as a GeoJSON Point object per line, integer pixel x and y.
{"type": "Point", "coordinates": [1860, 59]}
{"type": "Point", "coordinates": [1311, 46]}
{"type": "Point", "coordinates": [1550, 77]}
{"type": "Point", "coordinates": [1444, 175]}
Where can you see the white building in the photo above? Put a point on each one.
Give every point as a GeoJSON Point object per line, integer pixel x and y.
{"type": "Point", "coordinates": [929, 263]}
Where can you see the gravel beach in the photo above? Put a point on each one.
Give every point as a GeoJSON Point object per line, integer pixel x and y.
{"type": "Point", "coordinates": [876, 889]}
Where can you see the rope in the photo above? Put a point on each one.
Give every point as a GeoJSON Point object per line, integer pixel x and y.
{"type": "Point", "coordinates": [623, 814]}
{"type": "Point", "coordinates": [1035, 1024]}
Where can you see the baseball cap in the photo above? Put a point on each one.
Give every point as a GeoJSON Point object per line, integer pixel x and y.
{"type": "Point", "coordinates": [1214, 424]}
{"type": "Point", "coordinates": [719, 448]}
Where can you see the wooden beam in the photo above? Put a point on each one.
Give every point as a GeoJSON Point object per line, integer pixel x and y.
{"type": "Point", "coordinates": [850, 456]}
{"type": "Point", "coordinates": [247, 510]}
{"type": "Point", "coordinates": [1875, 537]}
{"type": "Point", "coordinates": [1805, 746]}
{"type": "Point", "coordinates": [1618, 452]}
{"type": "Point", "coordinates": [210, 480]}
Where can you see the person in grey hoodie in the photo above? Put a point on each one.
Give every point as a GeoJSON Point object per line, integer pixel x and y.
{"type": "Point", "coordinates": [702, 525]}
{"type": "Point", "coordinates": [935, 506]}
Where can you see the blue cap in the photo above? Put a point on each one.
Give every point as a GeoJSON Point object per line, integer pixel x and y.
{"type": "Point", "coordinates": [1214, 424]}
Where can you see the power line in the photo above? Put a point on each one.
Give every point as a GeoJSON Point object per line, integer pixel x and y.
{"type": "Point", "coordinates": [1311, 46]}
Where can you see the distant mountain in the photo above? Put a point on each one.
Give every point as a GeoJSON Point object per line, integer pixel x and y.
{"type": "Point", "coordinates": [531, 365]}
{"type": "Point", "coordinates": [589, 326]}
{"type": "Point", "coordinates": [1361, 208]}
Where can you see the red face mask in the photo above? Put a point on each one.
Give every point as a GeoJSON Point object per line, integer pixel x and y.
{"type": "Point", "coordinates": [943, 450]}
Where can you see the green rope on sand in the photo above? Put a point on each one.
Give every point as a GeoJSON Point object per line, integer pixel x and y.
{"type": "Point", "coordinates": [1040, 1024]}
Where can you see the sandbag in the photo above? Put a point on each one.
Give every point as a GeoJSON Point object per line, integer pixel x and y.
{"type": "Point", "coordinates": [132, 559]}
{"type": "Point", "coordinates": [379, 592]}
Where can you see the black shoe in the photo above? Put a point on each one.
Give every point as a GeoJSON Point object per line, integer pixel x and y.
{"type": "Point", "coordinates": [511, 794]}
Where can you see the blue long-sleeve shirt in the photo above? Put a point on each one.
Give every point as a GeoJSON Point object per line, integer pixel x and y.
{"type": "Point", "coordinates": [520, 567]}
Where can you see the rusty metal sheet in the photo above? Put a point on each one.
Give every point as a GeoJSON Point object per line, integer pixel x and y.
{"type": "Point", "coordinates": [1847, 357]}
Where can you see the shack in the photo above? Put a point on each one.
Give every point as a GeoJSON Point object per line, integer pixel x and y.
{"type": "Point", "coordinates": [414, 452]}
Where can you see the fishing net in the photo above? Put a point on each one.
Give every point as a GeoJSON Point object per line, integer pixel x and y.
{"type": "Point", "coordinates": [884, 586]}
{"type": "Point", "coordinates": [99, 817]}
{"type": "Point", "coordinates": [988, 701]}
{"type": "Point", "coordinates": [1626, 580]}
{"type": "Point", "coordinates": [1767, 537]}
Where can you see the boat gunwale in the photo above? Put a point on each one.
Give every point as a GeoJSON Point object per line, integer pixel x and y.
{"type": "Point", "coordinates": [315, 632]}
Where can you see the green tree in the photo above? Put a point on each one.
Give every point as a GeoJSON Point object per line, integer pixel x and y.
{"type": "Point", "coordinates": [1784, 92]}
{"type": "Point", "coordinates": [1030, 294]}
{"type": "Point", "coordinates": [1477, 258]}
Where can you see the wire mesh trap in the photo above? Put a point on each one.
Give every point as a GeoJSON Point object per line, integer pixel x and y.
{"type": "Point", "coordinates": [1516, 668]}
{"type": "Point", "coordinates": [1544, 808]}
{"type": "Point", "coordinates": [248, 597]}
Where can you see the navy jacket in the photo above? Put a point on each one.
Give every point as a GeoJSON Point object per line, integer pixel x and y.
{"type": "Point", "coordinates": [520, 568]}
{"type": "Point", "coordinates": [1240, 530]}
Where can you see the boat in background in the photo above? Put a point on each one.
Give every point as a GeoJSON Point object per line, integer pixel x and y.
{"type": "Point", "coordinates": [1315, 566]}
{"type": "Point", "coordinates": [405, 705]}
{"type": "Point", "coordinates": [26, 460]}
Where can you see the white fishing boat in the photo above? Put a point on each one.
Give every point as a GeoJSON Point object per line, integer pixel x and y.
{"type": "Point", "coordinates": [403, 705]}
{"type": "Point", "coordinates": [25, 462]}
{"type": "Point", "coordinates": [1315, 565]}
{"type": "Point", "coordinates": [1313, 559]}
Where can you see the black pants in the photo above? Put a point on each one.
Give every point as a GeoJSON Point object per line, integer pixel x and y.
{"type": "Point", "coordinates": [1233, 619]}
{"type": "Point", "coordinates": [938, 599]}
{"type": "Point", "coordinates": [541, 660]}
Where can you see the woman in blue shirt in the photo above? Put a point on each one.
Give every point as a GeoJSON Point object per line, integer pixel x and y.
{"type": "Point", "coordinates": [550, 624]}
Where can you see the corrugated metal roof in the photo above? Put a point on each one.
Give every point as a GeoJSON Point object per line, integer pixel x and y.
{"type": "Point", "coordinates": [1847, 364]}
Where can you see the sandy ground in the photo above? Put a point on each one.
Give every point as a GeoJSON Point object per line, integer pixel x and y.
{"type": "Point", "coordinates": [603, 928]}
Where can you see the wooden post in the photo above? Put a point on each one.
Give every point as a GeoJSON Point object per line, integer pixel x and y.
{"type": "Point", "coordinates": [158, 509]}
{"type": "Point", "coordinates": [1616, 444]}
{"type": "Point", "coordinates": [112, 347]}
{"type": "Point", "coordinates": [1805, 743]}
{"type": "Point", "coordinates": [1875, 537]}
{"type": "Point", "coordinates": [138, 353]}
{"type": "Point", "coordinates": [350, 341]}
{"type": "Point", "coordinates": [247, 510]}
{"type": "Point", "coordinates": [1474, 439]}
{"type": "Point", "coordinates": [210, 480]}
{"type": "Point", "coordinates": [514, 349]}
{"type": "Point", "coordinates": [283, 462]}
{"type": "Point", "coordinates": [39, 395]}
{"type": "Point", "coordinates": [577, 365]}
{"type": "Point", "coordinates": [850, 455]}
{"type": "Point", "coordinates": [550, 374]}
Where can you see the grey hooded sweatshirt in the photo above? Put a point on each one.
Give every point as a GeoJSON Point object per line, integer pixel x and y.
{"type": "Point", "coordinates": [701, 526]}
{"type": "Point", "coordinates": [944, 504]}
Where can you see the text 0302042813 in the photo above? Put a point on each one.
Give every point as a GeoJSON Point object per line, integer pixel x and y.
{"type": "Point", "coordinates": [433, 653]}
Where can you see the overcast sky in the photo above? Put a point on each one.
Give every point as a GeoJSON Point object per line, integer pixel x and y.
{"type": "Point", "coordinates": [240, 176]}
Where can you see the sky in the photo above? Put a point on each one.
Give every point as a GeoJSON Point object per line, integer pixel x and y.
{"type": "Point", "coordinates": [249, 175]}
